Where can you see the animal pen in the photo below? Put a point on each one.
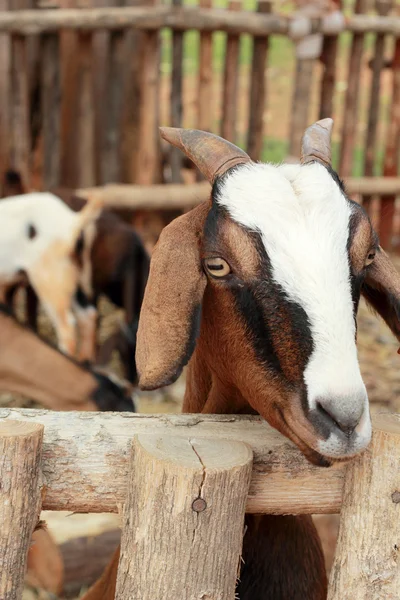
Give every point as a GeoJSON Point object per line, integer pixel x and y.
{"type": "Point", "coordinates": [83, 92]}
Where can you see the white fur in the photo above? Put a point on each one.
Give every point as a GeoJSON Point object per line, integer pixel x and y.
{"type": "Point", "coordinates": [52, 219]}
{"type": "Point", "coordinates": [303, 218]}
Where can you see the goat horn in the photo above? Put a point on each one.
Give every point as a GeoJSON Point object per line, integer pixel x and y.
{"type": "Point", "coordinates": [316, 143]}
{"type": "Point", "coordinates": [212, 155]}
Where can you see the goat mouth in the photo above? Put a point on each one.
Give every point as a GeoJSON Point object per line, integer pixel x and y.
{"type": "Point", "coordinates": [314, 457]}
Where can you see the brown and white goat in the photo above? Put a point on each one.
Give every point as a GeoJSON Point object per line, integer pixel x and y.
{"type": "Point", "coordinates": [258, 291]}
{"type": "Point", "coordinates": [30, 366]}
{"type": "Point", "coordinates": [111, 260]}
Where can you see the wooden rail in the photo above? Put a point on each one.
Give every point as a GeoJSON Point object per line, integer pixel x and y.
{"type": "Point", "coordinates": [85, 460]}
{"type": "Point", "coordinates": [180, 196]}
{"type": "Point", "coordinates": [26, 22]}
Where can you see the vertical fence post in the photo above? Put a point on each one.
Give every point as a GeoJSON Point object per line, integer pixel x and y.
{"type": "Point", "coordinates": [258, 91]}
{"type": "Point", "coordinates": [20, 500]}
{"type": "Point", "coordinates": [367, 556]}
{"type": "Point", "coordinates": [183, 519]}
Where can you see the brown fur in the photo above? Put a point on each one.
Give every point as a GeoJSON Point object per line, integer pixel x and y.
{"type": "Point", "coordinates": [45, 567]}
{"type": "Point", "coordinates": [33, 368]}
{"type": "Point", "coordinates": [168, 307]}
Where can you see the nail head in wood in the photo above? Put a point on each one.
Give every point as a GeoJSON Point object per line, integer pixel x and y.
{"type": "Point", "coordinates": [199, 505]}
{"type": "Point", "coordinates": [396, 497]}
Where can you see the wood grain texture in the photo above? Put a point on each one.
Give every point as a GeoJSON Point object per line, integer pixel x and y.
{"type": "Point", "coordinates": [366, 564]}
{"type": "Point", "coordinates": [85, 460]}
{"type": "Point", "coordinates": [20, 500]}
{"type": "Point", "coordinates": [196, 490]}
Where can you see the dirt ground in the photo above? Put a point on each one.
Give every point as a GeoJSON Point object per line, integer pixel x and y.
{"type": "Point", "coordinates": [380, 368]}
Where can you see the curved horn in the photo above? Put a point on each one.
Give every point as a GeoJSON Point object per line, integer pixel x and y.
{"type": "Point", "coordinates": [316, 143]}
{"type": "Point", "coordinates": [212, 155]}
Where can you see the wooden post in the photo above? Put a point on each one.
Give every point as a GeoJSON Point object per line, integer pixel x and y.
{"type": "Point", "coordinates": [110, 159]}
{"type": "Point", "coordinates": [175, 156]}
{"type": "Point", "coordinates": [183, 519]}
{"type": "Point", "coordinates": [383, 7]}
{"type": "Point", "coordinates": [390, 168]}
{"type": "Point", "coordinates": [350, 118]}
{"type": "Point", "coordinates": [148, 155]}
{"type": "Point", "coordinates": [20, 500]}
{"type": "Point", "coordinates": [328, 60]}
{"type": "Point", "coordinates": [258, 91]}
{"type": "Point", "coordinates": [366, 563]}
{"type": "Point", "coordinates": [5, 96]}
{"type": "Point", "coordinates": [205, 82]}
{"type": "Point", "coordinates": [231, 76]}
{"type": "Point", "coordinates": [51, 110]}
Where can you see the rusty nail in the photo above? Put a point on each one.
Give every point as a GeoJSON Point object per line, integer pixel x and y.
{"type": "Point", "coordinates": [396, 497]}
{"type": "Point", "coordinates": [199, 505]}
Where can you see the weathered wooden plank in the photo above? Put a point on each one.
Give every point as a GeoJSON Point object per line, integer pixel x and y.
{"type": "Point", "coordinates": [366, 563]}
{"type": "Point", "coordinates": [197, 493]}
{"type": "Point", "coordinates": [258, 91]}
{"type": "Point", "coordinates": [20, 500]}
{"type": "Point", "coordinates": [85, 459]}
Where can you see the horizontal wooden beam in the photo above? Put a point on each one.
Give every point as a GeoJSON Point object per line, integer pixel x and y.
{"type": "Point", "coordinates": [85, 462]}
{"type": "Point", "coordinates": [180, 196]}
{"type": "Point", "coordinates": [27, 22]}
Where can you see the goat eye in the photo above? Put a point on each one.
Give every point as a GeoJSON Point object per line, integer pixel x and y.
{"type": "Point", "coordinates": [217, 267]}
{"type": "Point", "coordinates": [370, 258]}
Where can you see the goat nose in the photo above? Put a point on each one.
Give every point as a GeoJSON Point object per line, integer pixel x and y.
{"type": "Point", "coordinates": [343, 415]}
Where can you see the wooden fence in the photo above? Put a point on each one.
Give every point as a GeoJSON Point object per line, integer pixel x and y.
{"type": "Point", "coordinates": [211, 470]}
{"type": "Point", "coordinates": [83, 91]}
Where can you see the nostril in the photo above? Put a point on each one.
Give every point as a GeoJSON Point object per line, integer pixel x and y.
{"type": "Point", "coordinates": [344, 419]}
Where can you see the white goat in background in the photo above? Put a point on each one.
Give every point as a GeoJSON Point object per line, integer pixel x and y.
{"type": "Point", "coordinates": [38, 236]}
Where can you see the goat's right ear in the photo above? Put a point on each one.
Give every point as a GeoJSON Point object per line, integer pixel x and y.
{"type": "Point", "coordinates": [170, 317]}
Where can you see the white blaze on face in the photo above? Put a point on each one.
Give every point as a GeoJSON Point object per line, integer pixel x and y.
{"type": "Point", "coordinates": [303, 218]}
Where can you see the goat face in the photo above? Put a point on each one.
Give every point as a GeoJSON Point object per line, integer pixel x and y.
{"type": "Point", "coordinates": [277, 262]}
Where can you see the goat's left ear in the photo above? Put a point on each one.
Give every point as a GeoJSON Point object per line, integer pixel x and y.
{"type": "Point", "coordinates": [170, 317]}
{"type": "Point", "coordinates": [381, 290]}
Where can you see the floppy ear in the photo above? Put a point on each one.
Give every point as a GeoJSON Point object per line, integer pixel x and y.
{"type": "Point", "coordinates": [169, 321]}
{"type": "Point", "coordinates": [381, 290]}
